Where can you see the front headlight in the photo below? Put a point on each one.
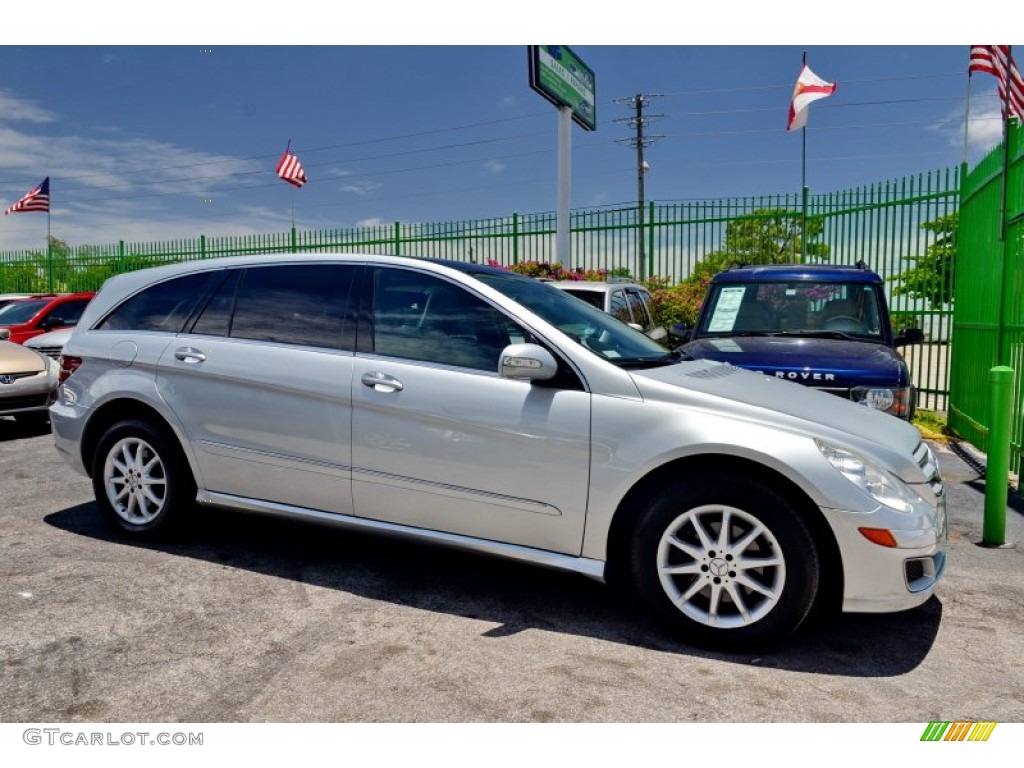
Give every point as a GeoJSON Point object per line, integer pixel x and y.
{"type": "Point", "coordinates": [881, 485]}
{"type": "Point", "coordinates": [894, 401]}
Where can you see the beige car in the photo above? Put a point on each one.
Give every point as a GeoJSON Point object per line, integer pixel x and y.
{"type": "Point", "coordinates": [28, 382]}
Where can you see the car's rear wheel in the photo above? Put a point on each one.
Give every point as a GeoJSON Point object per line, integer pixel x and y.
{"type": "Point", "coordinates": [727, 561]}
{"type": "Point", "coordinates": [141, 479]}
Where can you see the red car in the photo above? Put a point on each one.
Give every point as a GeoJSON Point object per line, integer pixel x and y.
{"type": "Point", "coordinates": [24, 318]}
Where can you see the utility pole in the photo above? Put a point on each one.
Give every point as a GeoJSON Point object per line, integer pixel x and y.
{"type": "Point", "coordinates": [639, 142]}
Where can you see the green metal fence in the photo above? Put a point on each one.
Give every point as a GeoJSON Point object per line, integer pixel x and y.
{"type": "Point", "coordinates": [989, 319]}
{"type": "Point", "coordinates": [879, 224]}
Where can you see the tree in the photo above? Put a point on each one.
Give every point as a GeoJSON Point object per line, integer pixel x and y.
{"type": "Point", "coordinates": [931, 277]}
{"type": "Point", "coordinates": [766, 236]}
{"type": "Point", "coordinates": [65, 269]}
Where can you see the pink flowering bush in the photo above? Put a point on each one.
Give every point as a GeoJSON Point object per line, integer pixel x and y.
{"type": "Point", "coordinates": [554, 271]}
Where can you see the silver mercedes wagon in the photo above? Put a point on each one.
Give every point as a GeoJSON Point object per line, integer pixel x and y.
{"type": "Point", "coordinates": [467, 406]}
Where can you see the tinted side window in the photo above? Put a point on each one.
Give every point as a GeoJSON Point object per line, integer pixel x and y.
{"type": "Point", "coordinates": [294, 304]}
{"type": "Point", "coordinates": [636, 303]}
{"type": "Point", "coordinates": [161, 307]}
{"type": "Point", "coordinates": [618, 307]}
{"type": "Point", "coordinates": [70, 312]}
{"type": "Point", "coordinates": [215, 319]}
{"type": "Point", "coordinates": [421, 317]}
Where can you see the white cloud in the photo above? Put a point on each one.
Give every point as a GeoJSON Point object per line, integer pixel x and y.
{"type": "Point", "coordinates": [108, 187]}
{"type": "Point", "coordinates": [16, 109]}
{"type": "Point", "coordinates": [373, 221]}
{"type": "Point", "coordinates": [985, 129]}
{"type": "Point", "coordinates": [494, 166]}
{"type": "Point", "coordinates": [361, 188]}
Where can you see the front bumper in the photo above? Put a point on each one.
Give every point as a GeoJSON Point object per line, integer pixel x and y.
{"type": "Point", "coordinates": [880, 579]}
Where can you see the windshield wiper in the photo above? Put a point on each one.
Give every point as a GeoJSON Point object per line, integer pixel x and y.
{"type": "Point", "coordinates": [644, 362]}
{"type": "Point", "coordinates": [820, 335]}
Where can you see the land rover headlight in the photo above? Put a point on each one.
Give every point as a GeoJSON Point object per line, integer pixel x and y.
{"type": "Point", "coordinates": [888, 399]}
{"type": "Point", "coordinates": [881, 485]}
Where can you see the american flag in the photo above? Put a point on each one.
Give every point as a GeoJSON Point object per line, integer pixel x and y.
{"type": "Point", "coordinates": [290, 169]}
{"type": "Point", "coordinates": [36, 200]}
{"type": "Point", "coordinates": [996, 60]}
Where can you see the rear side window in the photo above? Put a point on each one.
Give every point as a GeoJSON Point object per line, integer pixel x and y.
{"type": "Point", "coordinates": [302, 304]}
{"type": "Point", "coordinates": [619, 308]}
{"type": "Point", "coordinates": [69, 312]}
{"type": "Point", "coordinates": [636, 304]}
{"type": "Point", "coordinates": [164, 307]}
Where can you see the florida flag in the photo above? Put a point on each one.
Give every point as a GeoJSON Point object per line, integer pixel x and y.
{"type": "Point", "coordinates": [809, 87]}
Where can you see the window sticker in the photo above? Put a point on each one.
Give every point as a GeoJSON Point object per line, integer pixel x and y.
{"type": "Point", "coordinates": [725, 345]}
{"type": "Point", "coordinates": [728, 306]}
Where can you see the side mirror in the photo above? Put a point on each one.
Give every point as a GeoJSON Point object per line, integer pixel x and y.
{"type": "Point", "coordinates": [5, 333]}
{"type": "Point", "coordinates": [909, 336]}
{"type": "Point", "coordinates": [53, 321]}
{"type": "Point", "coordinates": [657, 334]}
{"type": "Point", "coordinates": [681, 331]}
{"type": "Point", "coordinates": [527, 361]}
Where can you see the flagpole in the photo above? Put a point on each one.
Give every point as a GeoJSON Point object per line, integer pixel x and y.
{"type": "Point", "coordinates": [49, 247]}
{"type": "Point", "coordinates": [803, 196]}
{"type": "Point", "coordinates": [1006, 140]}
{"type": "Point", "coordinates": [803, 183]}
{"type": "Point", "coordinates": [967, 115]}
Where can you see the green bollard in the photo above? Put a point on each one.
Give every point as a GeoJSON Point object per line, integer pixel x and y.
{"type": "Point", "coordinates": [997, 472]}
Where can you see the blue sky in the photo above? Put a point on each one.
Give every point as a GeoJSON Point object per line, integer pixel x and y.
{"type": "Point", "coordinates": [161, 140]}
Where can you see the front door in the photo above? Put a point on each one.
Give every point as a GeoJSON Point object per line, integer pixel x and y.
{"type": "Point", "coordinates": [440, 441]}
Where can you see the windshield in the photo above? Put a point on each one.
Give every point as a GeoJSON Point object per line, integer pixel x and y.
{"type": "Point", "coordinates": [588, 326]}
{"type": "Point", "coordinates": [793, 309]}
{"type": "Point", "coordinates": [18, 312]}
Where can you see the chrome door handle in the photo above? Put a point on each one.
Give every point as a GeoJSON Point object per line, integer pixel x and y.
{"type": "Point", "coordinates": [381, 382]}
{"type": "Point", "coordinates": [189, 355]}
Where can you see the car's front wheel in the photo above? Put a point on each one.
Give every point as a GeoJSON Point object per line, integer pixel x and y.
{"type": "Point", "coordinates": [726, 560]}
{"type": "Point", "coordinates": [141, 480]}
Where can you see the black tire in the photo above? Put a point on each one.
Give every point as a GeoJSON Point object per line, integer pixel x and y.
{"type": "Point", "coordinates": [758, 605]}
{"type": "Point", "coordinates": [141, 480]}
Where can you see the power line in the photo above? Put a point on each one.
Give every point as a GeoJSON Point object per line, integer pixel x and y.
{"type": "Point", "coordinates": [789, 86]}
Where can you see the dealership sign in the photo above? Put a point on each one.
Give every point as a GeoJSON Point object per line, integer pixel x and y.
{"type": "Point", "coordinates": [561, 78]}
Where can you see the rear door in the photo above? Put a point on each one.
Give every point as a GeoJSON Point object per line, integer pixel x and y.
{"type": "Point", "coordinates": [440, 441]}
{"type": "Point", "coordinates": [262, 383]}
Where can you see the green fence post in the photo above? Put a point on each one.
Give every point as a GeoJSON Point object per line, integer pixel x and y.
{"type": "Point", "coordinates": [202, 246]}
{"type": "Point", "coordinates": [650, 240]}
{"type": "Point", "coordinates": [295, 242]}
{"type": "Point", "coordinates": [998, 455]}
{"type": "Point", "coordinates": [515, 237]}
{"type": "Point", "coordinates": [120, 256]}
{"type": "Point", "coordinates": [49, 264]}
{"type": "Point", "coordinates": [398, 239]}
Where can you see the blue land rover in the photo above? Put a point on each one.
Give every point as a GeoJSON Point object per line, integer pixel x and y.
{"type": "Point", "coordinates": [823, 326]}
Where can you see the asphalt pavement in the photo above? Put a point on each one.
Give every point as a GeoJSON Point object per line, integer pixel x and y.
{"type": "Point", "coordinates": [260, 620]}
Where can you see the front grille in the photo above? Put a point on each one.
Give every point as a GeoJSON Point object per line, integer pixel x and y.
{"type": "Point", "coordinates": [13, 377]}
{"type": "Point", "coordinates": [841, 391]}
{"type": "Point", "coordinates": [53, 352]}
{"type": "Point", "coordinates": [8, 404]}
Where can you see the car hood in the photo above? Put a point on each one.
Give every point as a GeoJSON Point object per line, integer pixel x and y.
{"type": "Point", "coordinates": [51, 339]}
{"type": "Point", "coordinates": [767, 400]}
{"type": "Point", "coordinates": [15, 358]}
{"type": "Point", "coordinates": [820, 362]}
